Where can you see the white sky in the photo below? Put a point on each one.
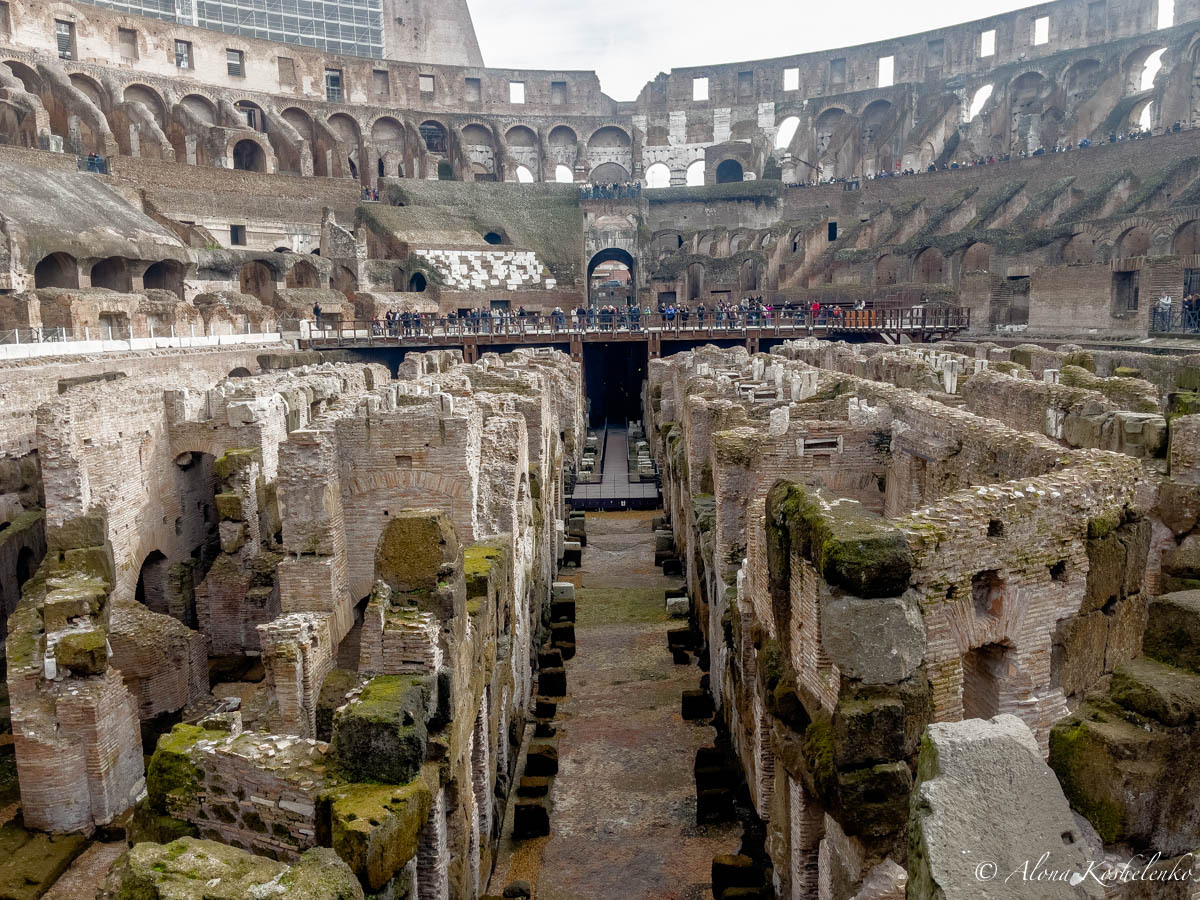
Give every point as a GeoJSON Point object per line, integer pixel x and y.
{"type": "Point", "coordinates": [628, 42]}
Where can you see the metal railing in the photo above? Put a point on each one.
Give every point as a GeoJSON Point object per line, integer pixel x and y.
{"type": "Point", "coordinates": [1164, 321]}
{"type": "Point", "coordinates": [627, 323]}
{"type": "Point", "coordinates": [46, 334]}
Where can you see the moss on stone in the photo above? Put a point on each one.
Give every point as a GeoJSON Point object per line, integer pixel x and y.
{"type": "Point", "coordinates": [478, 561]}
{"type": "Point", "coordinates": [381, 735]}
{"type": "Point", "coordinates": [83, 652]}
{"type": "Point", "coordinates": [172, 776]}
{"type": "Point", "coordinates": [233, 461]}
{"type": "Point", "coordinates": [375, 829]}
{"type": "Point", "coordinates": [1078, 761]}
{"type": "Point", "coordinates": [229, 507]}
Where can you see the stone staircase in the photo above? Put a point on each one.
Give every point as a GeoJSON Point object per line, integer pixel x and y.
{"type": "Point", "coordinates": [480, 270]}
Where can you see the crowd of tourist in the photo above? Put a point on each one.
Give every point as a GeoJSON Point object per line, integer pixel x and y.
{"type": "Point", "coordinates": [748, 312]}
{"type": "Point", "coordinates": [1061, 147]}
{"type": "Point", "coordinates": [630, 190]}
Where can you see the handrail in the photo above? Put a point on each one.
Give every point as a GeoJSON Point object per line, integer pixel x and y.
{"type": "Point", "coordinates": [565, 326]}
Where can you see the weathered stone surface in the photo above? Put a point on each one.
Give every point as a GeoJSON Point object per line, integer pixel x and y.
{"type": "Point", "coordinates": [381, 735]}
{"type": "Point", "coordinates": [1173, 630]}
{"type": "Point", "coordinates": [31, 861]}
{"type": "Point", "coordinates": [191, 869]}
{"type": "Point", "coordinates": [375, 828]}
{"type": "Point", "coordinates": [83, 652]}
{"type": "Point", "coordinates": [878, 641]}
{"type": "Point", "coordinates": [1165, 693]}
{"type": "Point", "coordinates": [416, 549]}
{"type": "Point", "coordinates": [984, 796]}
{"type": "Point", "coordinates": [1179, 506]}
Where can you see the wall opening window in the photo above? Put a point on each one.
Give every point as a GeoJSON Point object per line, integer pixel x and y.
{"type": "Point", "coordinates": [1125, 292]}
{"type": "Point", "coordinates": [745, 84]}
{"type": "Point", "coordinates": [127, 43]}
{"type": "Point", "coordinates": [516, 92]}
{"type": "Point", "coordinates": [1166, 13]}
{"type": "Point", "coordinates": [64, 33]}
{"type": "Point", "coordinates": [887, 71]}
{"type": "Point", "coordinates": [1150, 69]}
{"type": "Point", "coordinates": [235, 63]}
{"type": "Point", "coordinates": [837, 71]}
{"type": "Point", "coordinates": [1041, 30]}
{"type": "Point", "coordinates": [791, 79]}
{"type": "Point", "coordinates": [425, 84]}
{"type": "Point", "coordinates": [695, 173]}
{"type": "Point", "coordinates": [287, 71]}
{"type": "Point", "coordinates": [558, 93]}
{"type": "Point", "coordinates": [380, 82]}
{"type": "Point", "coordinates": [183, 55]}
{"type": "Point", "coordinates": [699, 88]}
{"type": "Point", "coordinates": [237, 235]}
{"type": "Point", "coordinates": [987, 43]}
{"type": "Point", "coordinates": [474, 90]}
{"type": "Point", "coordinates": [333, 85]}
{"type": "Point", "coordinates": [563, 175]}
{"type": "Point", "coordinates": [832, 231]}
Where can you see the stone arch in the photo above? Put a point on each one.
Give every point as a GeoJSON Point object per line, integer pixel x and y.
{"type": "Point", "coordinates": [695, 173]}
{"type": "Point", "coordinates": [563, 175]}
{"type": "Point", "coordinates": [149, 98]}
{"type": "Point", "coordinates": [257, 279]}
{"type": "Point", "coordinates": [417, 283]}
{"type": "Point", "coordinates": [201, 107]}
{"type": "Point", "coordinates": [166, 275]}
{"type": "Point", "coordinates": [658, 175]}
{"type": "Point", "coordinates": [827, 122]}
{"type": "Point", "coordinates": [92, 88]}
{"type": "Point", "coordinates": [889, 269]}
{"type": "Point", "coordinates": [479, 149]}
{"type": "Point", "coordinates": [738, 241]}
{"type": "Point", "coordinates": [56, 270]}
{"type": "Point", "coordinates": [749, 275]}
{"type": "Point", "coordinates": [347, 131]}
{"type": "Point", "coordinates": [252, 115]}
{"type": "Point", "coordinates": [433, 134]}
{"type": "Point", "coordinates": [1134, 241]}
{"type": "Point", "coordinates": [609, 173]}
{"type": "Point", "coordinates": [248, 156]}
{"type": "Point", "coordinates": [344, 281]}
{"type": "Point", "coordinates": [729, 170]}
{"type": "Point", "coordinates": [303, 274]}
{"type": "Point", "coordinates": [387, 130]}
{"type": "Point", "coordinates": [609, 136]}
{"type": "Point", "coordinates": [112, 273]}
{"type": "Point", "coordinates": [152, 583]}
{"type": "Point", "coordinates": [1140, 66]}
{"type": "Point", "coordinates": [666, 242]}
{"type": "Point", "coordinates": [1080, 250]}
{"type": "Point", "coordinates": [521, 136]}
{"type": "Point", "coordinates": [562, 143]}
{"type": "Point", "coordinates": [977, 257]}
{"type": "Point", "coordinates": [930, 266]}
{"type": "Point", "coordinates": [1081, 79]}
{"type": "Point", "coordinates": [1026, 90]}
{"type": "Point", "coordinates": [27, 76]}
{"type": "Point", "coordinates": [1186, 240]}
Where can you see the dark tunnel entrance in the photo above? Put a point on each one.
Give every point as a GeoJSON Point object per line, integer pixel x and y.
{"type": "Point", "coordinates": [613, 373]}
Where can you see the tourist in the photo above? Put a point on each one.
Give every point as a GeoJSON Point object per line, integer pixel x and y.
{"type": "Point", "coordinates": [317, 314]}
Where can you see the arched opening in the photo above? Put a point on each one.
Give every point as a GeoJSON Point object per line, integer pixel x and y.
{"type": "Point", "coordinates": [728, 171]}
{"type": "Point", "coordinates": [445, 171]}
{"type": "Point", "coordinates": [478, 148]}
{"type": "Point", "coordinates": [978, 101]}
{"type": "Point", "coordinates": [1081, 79]}
{"type": "Point", "coordinates": [826, 124]}
{"type": "Point", "coordinates": [1080, 250]}
{"type": "Point", "coordinates": [658, 176]}
{"type": "Point", "coordinates": [1141, 117]}
{"type": "Point", "coordinates": [112, 273]}
{"type": "Point", "coordinates": [417, 282]}
{"type": "Point", "coordinates": [977, 257]}
{"type": "Point", "coordinates": [248, 156]}
{"type": "Point", "coordinates": [434, 136]}
{"type": "Point", "coordinates": [888, 269]}
{"type": "Point", "coordinates": [251, 114]}
{"type": "Point", "coordinates": [787, 131]}
{"type": "Point", "coordinates": [166, 275]}
{"type": "Point", "coordinates": [609, 173]}
{"type": "Point", "coordinates": [930, 266]}
{"type": "Point", "coordinates": [610, 278]}
{"type": "Point", "coordinates": [379, 167]}
{"type": "Point", "coordinates": [1187, 239]}
{"type": "Point", "coordinates": [200, 107]}
{"type": "Point", "coordinates": [90, 88]}
{"type": "Point", "coordinates": [748, 273]}
{"type": "Point", "coordinates": [343, 280]}
{"type": "Point", "coordinates": [493, 237]}
{"type": "Point", "coordinates": [256, 279]}
{"type": "Point", "coordinates": [151, 589]}
{"type": "Point", "coordinates": [303, 275]}
{"type": "Point", "coordinates": [28, 78]}
{"type": "Point", "coordinates": [1134, 242]}
{"type": "Point", "coordinates": [58, 270]}
{"type": "Point", "coordinates": [239, 372]}
{"type": "Point", "coordinates": [149, 98]}
{"type": "Point", "coordinates": [1150, 69]}
{"type": "Point", "coordinates": [563, 175]}
{"type": "Point", "coordinates": [608, 141]}
{"type": "Point", "coordinates": [695, 174]}
{"type": "Point", "coordinates": [524, 176]}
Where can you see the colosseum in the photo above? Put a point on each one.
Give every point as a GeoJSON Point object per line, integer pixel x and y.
{"type": "Point", "coordinates": [426, 481]}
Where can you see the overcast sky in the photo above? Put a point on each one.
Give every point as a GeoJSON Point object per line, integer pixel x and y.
{"type": "Point", "coordinates": [640, 38]}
